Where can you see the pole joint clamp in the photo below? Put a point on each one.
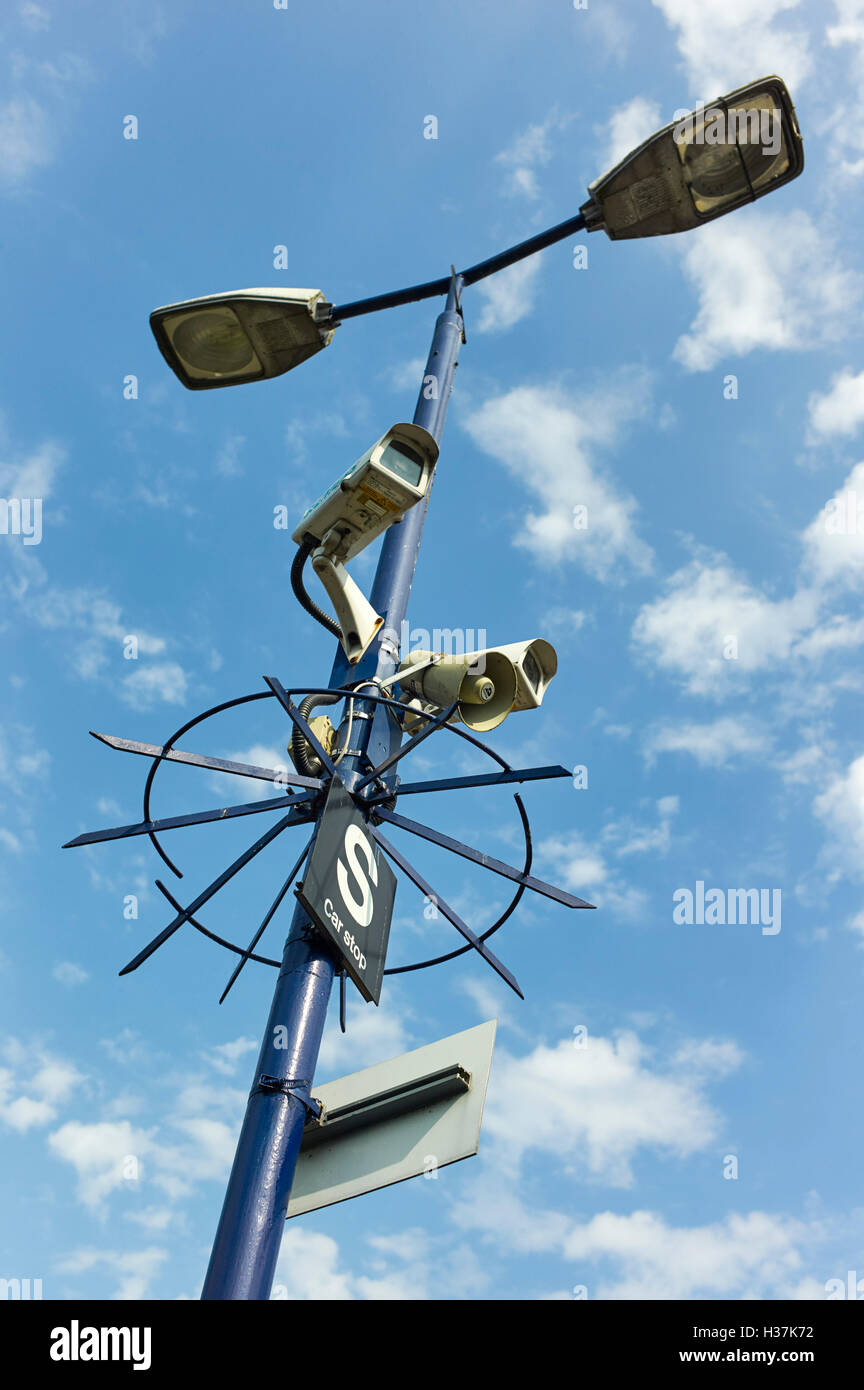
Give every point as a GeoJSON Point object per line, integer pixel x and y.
{"type": "Point", "coordinates": [288, 1086]}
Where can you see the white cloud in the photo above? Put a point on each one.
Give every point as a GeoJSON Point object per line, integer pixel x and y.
{"type": "Point", "coordinates": [508, 296]}
{"type": "Point", "coordinates": [24, 772]}
{"type": "Point", "coordinates": [706, 606]}
{"type": "Point", "coordinates": [194, 1143]}
{"type": "Point", "coordinates": [34, 474]}
{"type": "Point", "coordinates": [487, 1001]}
{"type": "Point", "coordinates": [566, 620]}
{"type": "Point", "coordinates": [427, 1268]}
{"type": "Point", "coordinates": [841, 807]}
{"type": "Point", "coordinates": [528, 152]}
{"type": "Point", "coordinates": [405, 376]}
{"type": "Point", "coordinates": [311, 425]}
{"type": "Point", "coordinates": [745, 1256]}
{"type": "Point", "coordinates": [97, 1153]}
{"type": "Point", "coordinates": [226, 1056]}
{"type": "Point", "coordinates": [309, 1268]}
{"type": "Point", "coordinates": [373, 1035]}
{"type": "Point", "coordinates": [724, 42]}
{"type": "Point", "coordinates": [707, 1057]}
{"type": "Point", "coordinates": [856, 923]}
{"type": "Point", "coordinates": [834, 545]}
{"type": "Point", "coordinates": [807, 764]}
{"type": "Point", "coordinates": [22, 1114]}
{"type": "Point", "coordinates": [90, 623]}
{"type": "Point", "coordinates": [33, 16]}
{"type": "Point", "coordinates": [50, 1084]}
{"type": "Point", "coordinates": [211, 1147]}
{"type": "Point", "coordinates": [850, 25]}
{"type": "Point", "coordinates": [752, 294]}
{"type": "Point", "coordinates": [627, 836]}
{"type": "Point", "coordinates": [26, 139]}
{"type": "Point", "coordinates": [235, 788]}
{"type": "Point", "coordinates": [127, 1048]}
{"type": "Point", "coordinates": [846, 143]}
{"type": "Point", "coordinates": [136, 1269]}
{"type": "Point", "coordinates": [404, 1265]}
{"type": "Point", "coordinates": [548, 440]}
{"type": "Point", "coordinates": [492, 1205]}
{"type": "Point", "coordinates": [145, 686]}
{"type": "Point", "coordinates": [714, 744]}
{"type": "Point", "coordinates": [840, 409]}
{"type": "Point", "coordinates": [597, 1107]}
{"type": "Point", "coordinates": [153, 1218]}
{"type": "Point", "coordinates": [585, 872]}
{"type": "Point", "coordinates": [627, 127]}
{"type": "Point", "coordinates": [66, 972]}
{"type": "Point", "coordinates": [834, 633]}
{"type": "Point", "coordinates": [42, 1091]}
{"type": "Point", "coordinates": [639, 1255]}
{"type": "Point", "coordinates": [228, 458]}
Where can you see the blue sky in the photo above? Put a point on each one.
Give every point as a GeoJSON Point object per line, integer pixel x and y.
{"type": "Point", "coordinates": [702, 396]}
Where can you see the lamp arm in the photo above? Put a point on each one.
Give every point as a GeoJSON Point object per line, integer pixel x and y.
{"type": "Point", "coordinates": [468, 277]}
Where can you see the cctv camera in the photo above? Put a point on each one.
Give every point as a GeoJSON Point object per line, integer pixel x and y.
{"type": "Point", "coordinates": [536, 664]}
{"type": "Point", "coordinates": [390, 478]}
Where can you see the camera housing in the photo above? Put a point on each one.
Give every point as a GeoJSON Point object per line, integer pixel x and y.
{"type": "Point", "coordinates": [385, 482]}
{"type": "Point", "coordinates": [487, 685]}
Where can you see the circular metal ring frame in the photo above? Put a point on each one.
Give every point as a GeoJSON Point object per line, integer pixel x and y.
{"type": "Point", "coordinates": [347, 693]}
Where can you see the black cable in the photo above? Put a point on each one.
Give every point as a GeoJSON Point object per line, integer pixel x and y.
{"type": "Point", "coordinates": [307, 545]}
{"type": "Point", "coordinates": [299, 747]}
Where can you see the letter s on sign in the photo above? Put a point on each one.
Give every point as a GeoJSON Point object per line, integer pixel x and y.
{"type": "Point", "coordinates": [356, 841]}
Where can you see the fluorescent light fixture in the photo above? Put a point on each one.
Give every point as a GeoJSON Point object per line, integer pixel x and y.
{"type": "Point", "coordinates": [243, 335]}
{"type": "Point", "coordinates": [725, 154]}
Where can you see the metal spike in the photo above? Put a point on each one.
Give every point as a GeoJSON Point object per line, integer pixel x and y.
{"type": "Point", "coordinates": [480, 779]}
{"type": "Point", "coordinates": [147, 827]}
{"type": "Point", "coordinates": [265, 923]}
{"type": "Point", "coordinates": [449, 913]}
{"type": "Point", "coordinates": [485, 860]}
{"type": "Point", "coordinates": [207, 894]}
{"type": "Point", "coordinates": [177, 755]}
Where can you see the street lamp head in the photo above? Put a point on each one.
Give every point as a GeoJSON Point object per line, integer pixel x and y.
{"type": "Point", "coordinates": [725, 154]}
{"type": "Point", "coordinates": [244, 335]}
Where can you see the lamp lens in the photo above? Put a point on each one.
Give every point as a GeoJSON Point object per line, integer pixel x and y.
{"type": "Point", "coordinates": [714, 172]}
{"type": "Point", "coordinates": [214, 341]}
{"type": "Point", "coordinates": [730, 152]}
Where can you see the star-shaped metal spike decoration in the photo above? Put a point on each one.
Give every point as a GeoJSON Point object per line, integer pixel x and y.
{"type": "Point", "coordinates": [301, 808]}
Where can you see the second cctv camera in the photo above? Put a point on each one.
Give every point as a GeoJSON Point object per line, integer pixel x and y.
{"type": "Point", "coordinates": [486, 685]}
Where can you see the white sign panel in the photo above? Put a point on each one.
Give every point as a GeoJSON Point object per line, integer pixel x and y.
{"type": "Point", "coordinates": [411, 1115]}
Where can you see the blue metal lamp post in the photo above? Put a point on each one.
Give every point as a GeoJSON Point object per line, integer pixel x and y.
{"type": "Point", "coordinates": [246, 1247]}
{"type": "Point", "coordinates": [674, 181]}
{"type": "Point", "coordinates": [247, 1241]}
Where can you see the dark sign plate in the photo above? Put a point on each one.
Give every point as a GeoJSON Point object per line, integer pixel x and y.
{"type": "Point", "coordinates": [348, 891]}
